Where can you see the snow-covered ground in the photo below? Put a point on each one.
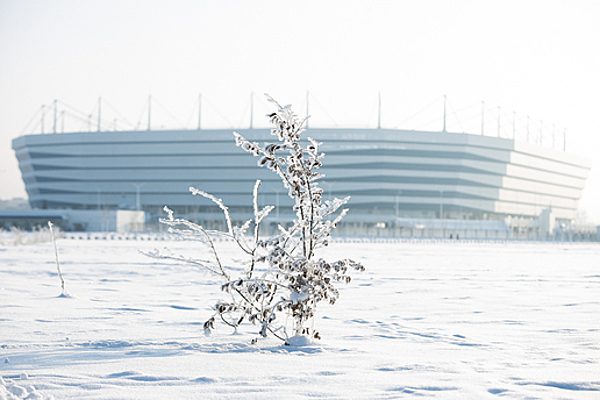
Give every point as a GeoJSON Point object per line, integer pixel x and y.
{"type": "Point", "coordinates": [445, 320]}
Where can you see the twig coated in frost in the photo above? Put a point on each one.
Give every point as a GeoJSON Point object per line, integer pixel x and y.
{"type": "Point", "coordinates": [218, 202]}
{"type": "Point", "coordinates": [60, 276]}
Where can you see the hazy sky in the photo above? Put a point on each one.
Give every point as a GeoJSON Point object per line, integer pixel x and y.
{"type": "Point", "coordinates": [539, 58]}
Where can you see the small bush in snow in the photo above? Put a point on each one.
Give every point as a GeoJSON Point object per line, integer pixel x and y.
{"type": "Point", "coordinates": [18, 237]}
{"type": "Point", "coordinates": [283, 276]}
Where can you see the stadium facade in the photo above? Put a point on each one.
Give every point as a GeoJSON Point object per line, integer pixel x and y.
{"type": "Point", "coordinates": [398, 179]}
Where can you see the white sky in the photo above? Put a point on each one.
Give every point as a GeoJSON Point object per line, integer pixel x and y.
{"type": "Point", "coordinates": [539, 58]}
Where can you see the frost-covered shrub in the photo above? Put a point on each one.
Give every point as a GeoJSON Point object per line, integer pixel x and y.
{"type": "Point", "coordinates": [283, 277]}
{"type": "Point", "coordinates": [18, 237]}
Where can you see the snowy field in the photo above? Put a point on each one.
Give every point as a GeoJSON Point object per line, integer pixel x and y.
{"type": "Point", "coordinates": [444, 320]}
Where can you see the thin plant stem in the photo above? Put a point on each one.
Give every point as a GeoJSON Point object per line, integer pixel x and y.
{"type": "Point", "coordinates": [62, 281]}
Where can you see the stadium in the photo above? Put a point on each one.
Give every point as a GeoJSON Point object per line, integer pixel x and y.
{"type": "Point", "coordinates": [402, 182]}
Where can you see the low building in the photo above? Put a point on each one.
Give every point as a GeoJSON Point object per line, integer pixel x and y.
{"type": "Point", "coordinates": [74, 220]}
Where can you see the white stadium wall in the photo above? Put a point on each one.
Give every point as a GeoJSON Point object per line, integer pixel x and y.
{"type": "Point", "coordinates": [388, 173]}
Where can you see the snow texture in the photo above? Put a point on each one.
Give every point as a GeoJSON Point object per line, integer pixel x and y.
{"type": "Point", "coordinates": [443, 320]}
